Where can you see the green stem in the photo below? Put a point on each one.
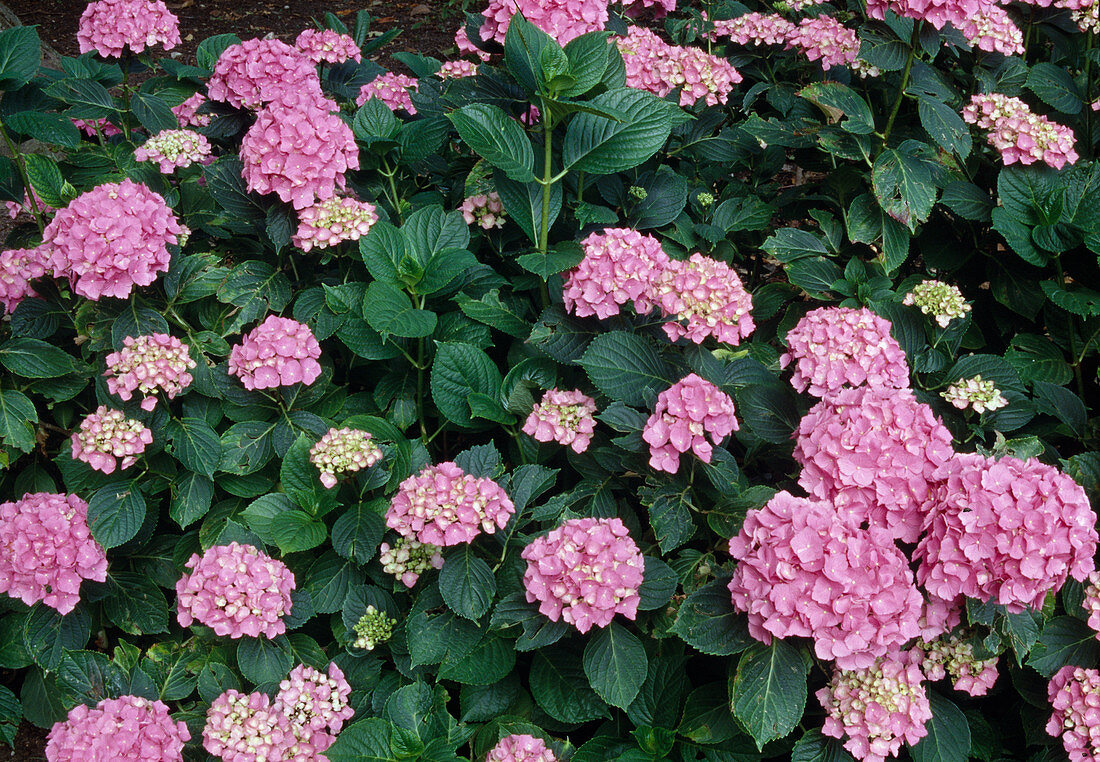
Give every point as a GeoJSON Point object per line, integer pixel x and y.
{"type": "Point", "coordinates": [1089, 40]}
{"type": "Point", "coordinates": [126, 101]}
{"type": "Point", "coordinates": [547, 183]}
{"type": "Point", "coordinates": [22, 167]}
{"type": "Point", "coordinates": [391, 194]}
{"type": "Point", "coordinates": [913, 42]}
{"type": "Point", "coordinates": [420, 382]}
{"type": "Point", "coordinates": [1077, 375]}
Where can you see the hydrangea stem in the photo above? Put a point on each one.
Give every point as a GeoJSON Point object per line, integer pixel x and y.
{"type": "Point", "coordinates": [547, 183]}
{"type": "Point", "coordinates": [17, 157]}
{"type": "Point", "coordinates": [913, 43]}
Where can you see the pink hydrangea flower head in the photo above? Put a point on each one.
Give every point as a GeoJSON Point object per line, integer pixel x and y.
{"type": "Point", "coordinates": [236, 591]}
{"type": "Point", "coordinates": [939, 617]}
{"type": "Point", "coordinates": [408, 559]}
{"type": "Point", "coordinates": [244, 727]}
{"type": "Point", "coordinates": [619, 266]}
{"type": "Point", "coordinates": [825, 39]}
{"type": "Point", "coordinates": [299, 154]}
{"type": "Point", "coordinates": [520, 748]}
{"type": "Point", "coordinates": [316, 703]}
{"type": "Point", "coordinates": [872, 452]}
{"type": "Point", "coordinates": [565, 417]}
{"type": "Point", "coordinates": [94, 127]}
{"type": "Point", "coordinates": [952, 656]}
{"type": "Point", "coordinates": [993, 30]}
{"type": "Point", "coordinates": [109, 26]}
{"type": "Point", "coordinates": [327, 46]}
{"type": "Point", "coordinates": [327, 223]}
{"type": "Point", "coordinates": [148, 364]}
{"type": "Point", "coordinates": [278, 352]}
{"type": "Point", "coordinates": [1086, 15]}
{"type": "Point", "coordinates": [187, 113]}
{"type": "Point", "coordinates": [18, 267]}
{"type": "Point", "coordinates": [686, 413]}
{"type": "Point", "coordinates": [484, 210]}
{"type": "Point", "coordinates": [833, 347]}
{"type": "Point", "coordinates": [1074, 693]}
{"type": "Point", "coordinates": [1005, 530]}
{"type": "Point", "coordinates": [118, 729]}
{"type": "Point", "coordinates": [585, 572]}
{"type": "Point", "coordinates": [462, 41]}
{"type": "Point", "coordinates": [175, 149]}
{"type": "Point", "coordinates": [1019, 134]}
{"type": "Point", "coordinates": [936, 12]}
{"type": "Point", "coordinates": [107, 439]}
{"type": "Point", "coordinates": [877, 707]}
{"type": "Point", "coordinates": [392, 90]}
{"type": "Point", "coordinates": [805, 571]}
{"type": "Point", "coordinates": [457, 69]}
{"type": "Point", "coordinates": [343, 451]}
{"type": "Point", "coordinates": [564, 20]}
{"type": "Point", "coordinates": [112, 238]}
{"type": "Point", "coordinates": [660, 68]}
{"type": "Point", "coordinates": [704, 297]}
{"type": "Point", "coordinates": [756, 29]}
{"type": "Point", "coordinates": [255, 72]}
{"type": "Point", "coordinates": [443, 505]}
{"type": "Point", "coordinates": [46, 549]}
{"type": "Point", "coordinates": [15, 208]}
{"type": "Point", "coordinates": [975, 393]}
{"type": "Point", "coordinates": [1091, 602]}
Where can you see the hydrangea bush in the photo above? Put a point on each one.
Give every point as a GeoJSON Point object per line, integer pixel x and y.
{"type": "Point", "coordinates": [641, 383]}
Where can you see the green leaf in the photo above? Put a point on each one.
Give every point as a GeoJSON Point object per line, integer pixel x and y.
{"type": "Point", "coordinates": [1072, 298]}
{"type": "Point", "coordinates": [136, 604]}
{"type": "Point", "coordinates": [769, 409]}
{"type": "Point", "coordinates": [365, 741]}
{"type": "Point", "coordinates": [47, 635]}
{"type": "Point", "coordinates": [948, 738]}
{"type": "Point", "coordinates": [490, 661]}
{"type": "Point", "coordinates": [967, 200]}
{"type": "Point", "coordinates": [389, 310]}
{"type": "Point", "coordinates": [904, 186]}
{"type": "Point", "coordinates": [768, 691]}
{"type": "Point", "coordinates": [834, 97]}
{"type": "Point", "coordinates": [49, 128]}
{"type": "Point", "coordinates": [497, 138]}
{"type": "Point", "coordinates": [561, 257]}
{"type": "Point", "coordinates": [460, 369]}
{"type": "Point", "coordinates": [524, 44]}
{"type": "Point", "coordinates": [467, 583]}
{"type": "Point", "coordinates": [257, 288]}
{"type": "Point", "coordinates": [153, 112]}
{"type": "Point", "coordinates": [301, 480]}
{"type": "Point", "coordinates": [560, 688]}
{"type": "Point", "coordinates": [192, 495]}
{"type": "Point", "coordinates": [211, 48]}
{"type": "Point", "coordinates": [34, 358]}
{"type": "Point", "coordinates": [602, 146]}
{"type": "Point", "coordinates": [264, 661]}
{"type": "Point", "coordinates": [670, 516]}
{"type": "Point", "coordinates": [587, 56]}
{"type": "Point", "coordinates": [296, 530]}
{"type": "Point", "coordinates": [494, 312]}
{"type": "Point", "coordinates": [624, 366]}
{"type": "Point", "coordinates": [1055, 87]}
{"type": "Point", "coordinates": [789, 244]}
{"type": "Point", "coordinates": [814, 275]}
{"type": "Point", "coordinates": [523, 203]}
{"type": "Point", "coordinates": [817, 747]}
{"type": "Point", "coordinates": [115, 513]}
{"type": "Point", "coordinates": [17, 420]}
{"type": "Point", "coordinates": [1065, 640]}
{"type": "Point", "coordinates": [88, 99]}
{"type": "Point", "coordinates": [616, 664]}
{"type": "Point", "coordinates": [357, 534]}
{"type": "Point", "coordinates": [195, 444]}
{"type": "Point", "coordinates": [708, 622]}
{"type": "Point", "coordinates": [11, 712]}
{"type": "Point", "coordinates": [944, 125]}
{"type": "Point", "coordinates": [20, 56]}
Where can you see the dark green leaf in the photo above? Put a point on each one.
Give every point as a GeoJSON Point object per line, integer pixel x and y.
{"type": "Point", "coordinates": [115, 513]}
{"type": "Point", "coordinates": [768, 691]}
{"type": "Point", "coordinates": [948, 738]}
{"type": "Point", "coordinates": [623, 366]}
{"type": "Point", "coordinates": [708, 622]}
{"type": "Point", "coordinates": [467, 583]}
{"type": "Point", "coordinates": [497, 138]}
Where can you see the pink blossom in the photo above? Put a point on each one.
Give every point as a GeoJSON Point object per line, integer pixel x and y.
{"type": "Point", "coordinates": [148, 364]}
{"type": "Point", "coordinates": [877, 707]}
{"type": "Point", "coordinates": [993, 30]}
{"type": "Point", "coordinates": [756, 29]}
{"type": "Point", "coordinates": [954, 656]}
{"type": "Point", "coordinates": [237, 591]}
{"type": "Point", "coordinates": [18, 267]}
{"type": "Point", "coordinates": [1074, 693]}
{"type": "Point", "coordinates": [187, 112]}
{"type": "Point", "coordinates": [246, 728]}
{"type": "Point", "coordinates": [392, 90]}
{"type": "Point", "coordinates": [112, 238]}
{"type": "Point", "coordinates": [442, 505]}
{"type": "Point", "coordinates": [936, 12]}
{"type": "Point", "coordinates": [619, 266]}
{"type": "Point", "coordinates": [1005, 530]}
{"type": "Point", "coordinates": [408, 559]}
{"type": "Point", "coordinates": [278, 352]}
{"type": "Point", "coordinates": [343, 451]}
{"type": "Point", "coordinates": [520, 748]}
{"type": "Point", "coordinates": [939, 617]}
{"type": "Point", "coordinates": [172, 149]}
{"type": "Point", "coordinates": [94, 127]}
{"type": "Point", "coordinates": [253, 73]}
{"type": "Point", "coordinates": [1091, 602]}
{"type": "Point", "coordinates": [564, 20]}
{"type": "Point", "coordinates": [1086, 15]}
{"type": "Point", "coordinates": [462, 40]}
{"type": "Point", "coordinates": [805, 571]}
{"type": "Point", "coordinates": [872, 453]}
{"type": "Point", "coordinates": [46, 550]}
{"type": "Point", "coordinates": [15, 208]}
{"type": "Point", "coordinates": [109, 26]}
{"type": "Point", "coordinates": [708, 296]}
{"type": "Point", "coordinates": [565, 417]}
{"type": "Point", "coordinates": [686, 413]}
{"type": "Point", "coordinates": [833, 347]}
{"type": "Point", "coordinates": [1019, 134]}
{"type": "Point", "coordinates": [316, 704]}
{"type": "Point", "coordinates": [585, 572]}
{"type": "Point", "coordinates": [327, 46]}
{"type": "Point", "coordinates": [457, 69]}
{"type": "Point", "coordinates": [484, 210]}
{"type": "Point", "coordinates": [657, 67]}
{"type": "Point", "coordinates": [327, 223]}
{"type": "Point", "coordinates": [124, 728]}
{"type": "Point", "coordinates": [108, 439]}
{"type": "Point", "coordinates": [825, 39]}
{"type": "Point", "coordinates": [299, 154]}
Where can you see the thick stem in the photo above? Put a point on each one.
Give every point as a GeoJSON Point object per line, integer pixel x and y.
{"type": "Point", "coordinates": [17, 156]}
{"type": "Point", "coordinates": [1077, 374]}
{"type": "Point", "coordinates": [391, 194]}
{"type": "Point", "coordinates": [547, 183]}
{"type": "Point", "coordinates": [913, 42]}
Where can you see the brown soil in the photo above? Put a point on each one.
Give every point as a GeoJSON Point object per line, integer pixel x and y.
{"type": "Point", "coordinates": [29, 745]}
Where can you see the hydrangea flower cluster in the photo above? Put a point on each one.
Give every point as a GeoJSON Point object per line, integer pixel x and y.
{"type": "Point", "coordinates": [148, 364]}
{"type": "Point", "coordinates": [938, 300]}
{"type": "Point", "coordinates": [327, 223]}
{"type": "Point", "coordinates": [836, 346]}
{"type": "Point", "coordinates": [756, 29]}
{"type": "Point", "coordinates": [373, 627]}
{"type": "Point", "coordinates": [520, 748]}
{"type": "Point", "coordinates": [110, 26]}
{"type": "Point", "coordinates": [18, 267]}
{"type": "Point", "coordinates": [391, 89]}
{"type": "Point", "coordinates": [244, 727]}
{"type": "Point", "coordinates": [565, 417]}
{"type": "Point", "coordinates": [993, 30]}
{"type": "Point", "coordinates": [172, 149]}
{"type": "Point", "coordinates": [443, 505]}
{"type": "Point", "coordinates": [1005, 530]}
{"type": "Point", "coordinates": [111, 238]}
{"type": "Point", "coordinates": [805, 571]}
{"type": "Point", "coordinates": [408, 559]}
{"type": "Point", "coordinates": [46, 550]}
{"type": "Point", "coordinates": [124, 728]}
{"type": "Point", "coordinates": [187, 113]}
{"type": "Point", "coordinates": [704, 297]}
{"type": "Point", "coordinates": [252, 73]}
{"type": "Point", "coordinates": [975, 393]}
{"type": "Point", "coordinates": [327, 46]}
{"type": "Point", "coordinates": [94, 127]}
{"type": "Point", "coordinates": [299, 154]}
{"type": "Point", "coordinates": [564, 20]}
{"type": "Point", "coordinates": [585, 572]}
{"type": "Point", "coordinates": [484, 210]}
{"type": "Point", "coordinates": [660, 68]}
{"type": "Point", "coordinates": [936, 12]}
{"type": "Point", "coordinates": [877, 707]}
{"type": "Point", "coordinates": [1074, 693]}
{"type": "Point", "coordinates": [1019, 134]}
{"type": "Point", "coordinates": [619, 266]}
{"type": "Point", "coordinates": [317, 706]}
{"type": "Point", "coordinates": [107, 439]}
{"type": "Point", "coordinates": [236, 591]}
{"type": "Point", "coordinates": [825, 39]}
{"type": "Point", "coordinates": [457, 69]}
{"type": "Point", "coordinates": [1086, 15]}
{"type": "Point", "coordinates": [686, 413]}
{"type": "Point", "coordinates": [872, 452]}
{"type": "Point", "coordinates": [343, 451]}
{"type": "Point", "coordinates": [278, 352]}
{"type": "Point", "coordinates": [1091, 601]}
{"type": "Point", "coordinates": [951, 655]}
